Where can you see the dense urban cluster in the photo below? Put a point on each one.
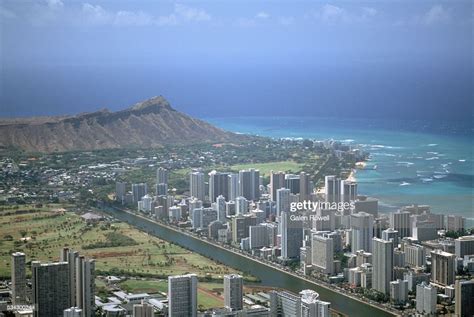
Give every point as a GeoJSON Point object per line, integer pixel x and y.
{"type": "Point", "coordinates": [411, 261]}
{"type": "Point", "coordinates": [404, 260]}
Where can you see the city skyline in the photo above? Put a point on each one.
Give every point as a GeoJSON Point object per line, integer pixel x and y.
{"type": "Point", "coordinates": [268, 158]}
{"type": "Point", "coordinates": [351, 248]}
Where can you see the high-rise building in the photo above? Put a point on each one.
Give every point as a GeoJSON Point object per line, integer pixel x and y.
{"type": "Point", "coordinates": [382, 261]}
{"type": "Point", "coordinates": [437, 219]}
{"type": "Point", "coordinates": [354, 276]}
{"type": "Point", "coordinates": [51, 290]}
{"type": "Point", "coordinates": [18, 278]}
{"type": "Point", "coordinates": [213, 229]}
{"type": "Point", "coordinates": [332, 187]}
{"type": "Point", "coordinates": [312, 306]}
{"type": "Point", "coordinates": [277, 181]}
{"type": "Point", "coordinates": [367, 204]}
{"type": "Point", "coordinates": [400, 221]}
{"type": "Point", "coordinates": [196, 181]}
{"type": "Point", "coordinates": [145, 203]}
{"type": "Point", "coordinates": [161, 175]}
{"type": "Point", "coordinates": [249, 184]}
{"type": "Point", "coordinates": [464, 296]}
{"type": "Point", "coordinates": [305, 187]}
{"type": "Point", "coordinates": [291, 236]}
{"type": "Point", "coordinates": [258, 236]}
{"type": "Point", "coordinates": [443, 267]}
{"type": "Point", "coordinates": [423, 230]}
{"type": "Point", "coordinates": [284, 303]}
{"type": "Point", "coordinates": [325, 220]}
{"type": "Point", "coordinates": [292, 182]}
{"type": "Point", "coordinates": [398, 258]}
{"type": "Point", "coordinates": [307, 304]}
{"type": "Point", "coordinates": [272, 231]}
{"type": "Point", "coordinates": [399, 291]}
{"type": "Point", "coordinates": [143, 310]}
{"type": "Point", "coordinates": [174, 214]}
{"type": "Point", "coordinates": [416, 277]}
{"type": "Point", "coordinates": [240, 227]}
{"type": "Point", "coordinates": [390, 234]}
{"type": "Point", "coordinates": [69, 255]}
{"type": "Point", "coordinates": [260, 214]}
{"type": "Point", "coordinates": [348, 190]}
{"type": "Point", "coordinates": [193, 204]}
{"type": "Point", "coordinates": [362, 225]}
{"type": "Point", "coordinates": [165, 202]}
{"type": "Point", "coordinates": [363, 257]}
{"type": "Point", "coordinates": [81, 281]}
{"type": "Point", "coordinates": [230, 208]}
{"type": "Point", "coordinates": [120, 191]}
{"type": "Point", "coordinates": [322, 251]}
{"type": "Point", "coordinates": [161, 189]}
{"type": "Point", "coordinates": [202, 217]}
{"type": "Point", "coordinates": [337, 238]}
{"type": "Point", "coordinates": [455, 223]}
{"type": "Point", "coordinates": [426, 299]}
{"type": "Point", "coordinates": [282, 200]}
{"type": "Point", "coordinates": [221, 209]}
{"type": "Point", "coordinates": [233, 180]}
{"type": "Point", "coordinates": [415, 255]}
{"type": "Point", "coordinates": [138, 191]}
{"type": "Point", "coordinates": [233, 292]}
{"type": "Point", "coordinates": [218, 185]}
{"type": "Point", "coordinates": [182, 295]}
{"type": "Point", "coordinates": [241, 206]}
{"type": "Point", "coordinates": [85, 285]}
{"type": "Point", "coordinates": [464, 246]}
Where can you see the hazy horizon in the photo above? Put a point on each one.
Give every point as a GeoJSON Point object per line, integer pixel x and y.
{"type": "Point", "coordinates": [401, 60]}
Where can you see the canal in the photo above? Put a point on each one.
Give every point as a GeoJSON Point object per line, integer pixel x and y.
{"type": "Point", "coordinates": [269, 276]}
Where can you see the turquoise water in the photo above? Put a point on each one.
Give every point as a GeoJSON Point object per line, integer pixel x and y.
{"type": "Point", "coordinates": [411, 162]}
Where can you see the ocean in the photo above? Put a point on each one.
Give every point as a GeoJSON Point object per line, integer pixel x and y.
{"type": "Point", "coordinates": [411, 162]}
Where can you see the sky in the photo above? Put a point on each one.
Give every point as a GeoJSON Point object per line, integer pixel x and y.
{"type": "Point", "coordinates": [401, 59]}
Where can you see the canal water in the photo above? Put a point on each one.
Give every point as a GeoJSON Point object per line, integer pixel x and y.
{"type": "Point", "coordinates": [268, 276]}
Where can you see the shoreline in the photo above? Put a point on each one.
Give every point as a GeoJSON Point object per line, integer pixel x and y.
{"type": "Point", "coordinates": [357, 166]}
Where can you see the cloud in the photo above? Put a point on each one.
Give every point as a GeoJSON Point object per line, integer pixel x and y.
{"type": "Point", "coordinates": [6, 14]}
{"type": "Point", "coordinates": [191, 14]}
{"type": "Point", "coordinates": [332, 14]}
{"type": "Point", "coordinates": [54, 4]}
{"type": "Point", "coordinates": [252, 22]}
{"type": "Point", "coordinates": [183, 14]}
{"type": "Point", "coordinates": [128, 18]}
{"type": "Point", "coordinates": [436, 14]}
{"type": "Point", "coordinates": [262, 15]}
{"type": "Point", "coordinates": [95, 14]}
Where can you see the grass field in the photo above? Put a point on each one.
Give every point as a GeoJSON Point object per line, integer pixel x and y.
{"type": "Point", "coordinates": [264, 168]}
{"type": "Point", "coordinates": [48, 231]}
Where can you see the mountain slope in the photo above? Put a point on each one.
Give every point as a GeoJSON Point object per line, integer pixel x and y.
{"type": "Point", "coordinates": [150, 123]}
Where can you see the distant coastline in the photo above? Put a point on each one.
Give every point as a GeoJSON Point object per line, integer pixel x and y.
{"type": "Point", "coordinates": [404, 168]}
